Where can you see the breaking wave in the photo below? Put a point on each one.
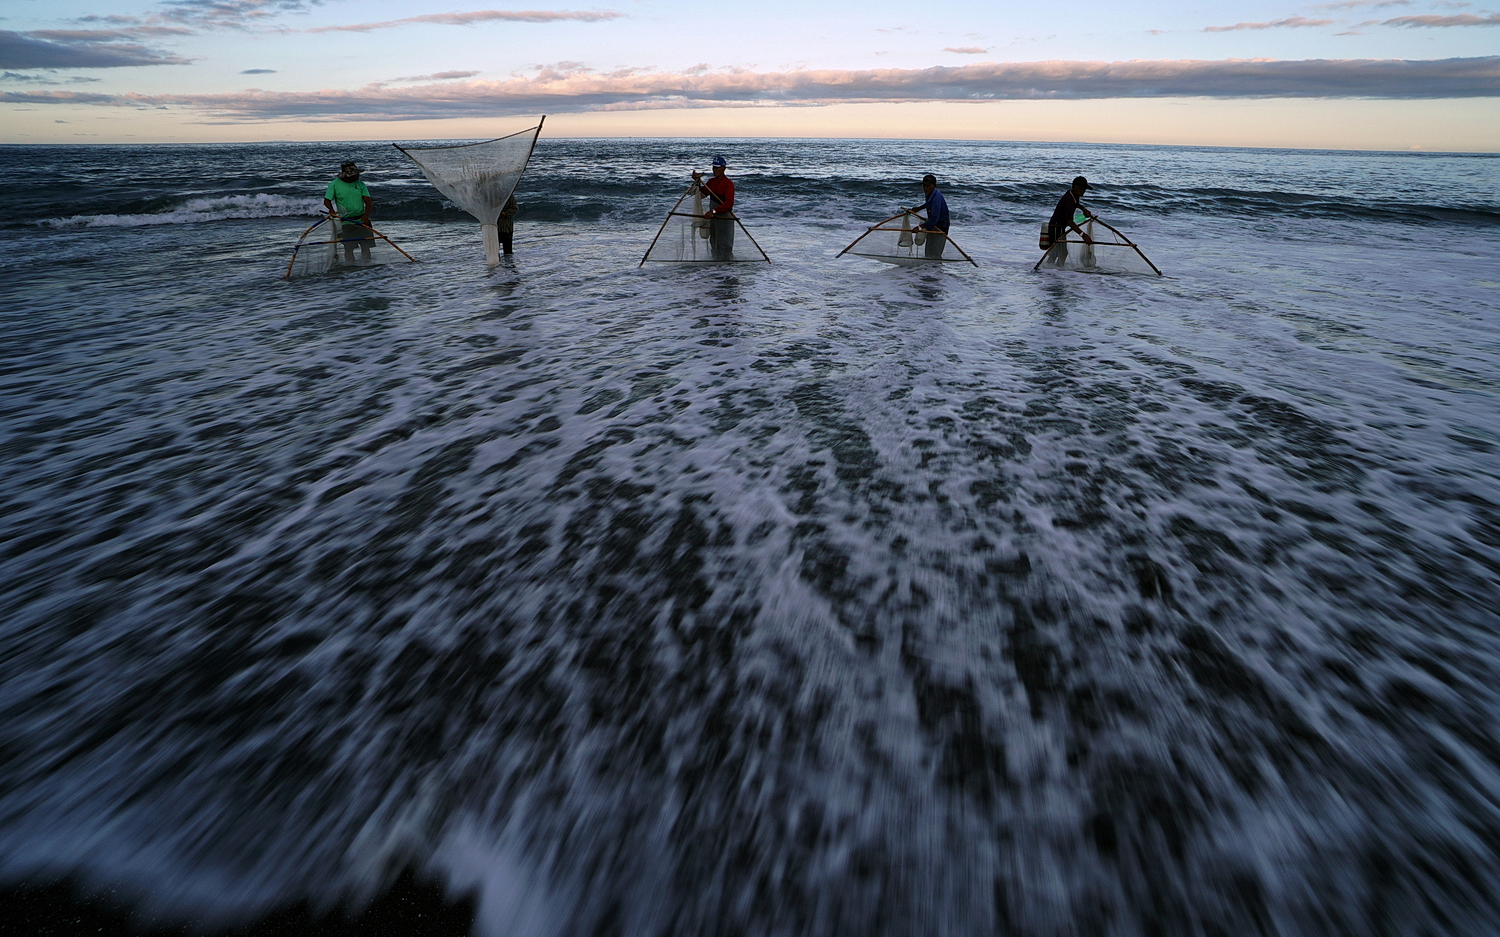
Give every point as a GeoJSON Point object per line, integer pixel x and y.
{"type": "Point", "coordinates": [198, 210]}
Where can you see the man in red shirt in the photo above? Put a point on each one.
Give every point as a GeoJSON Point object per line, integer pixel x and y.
{"type": "Point", "coordinates": [721, 210]}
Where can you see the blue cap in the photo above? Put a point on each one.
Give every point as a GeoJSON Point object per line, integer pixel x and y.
{"type": "Point", "coordinates": [719, 161]}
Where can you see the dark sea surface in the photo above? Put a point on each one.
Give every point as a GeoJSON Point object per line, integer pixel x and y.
{"type": "Point", "coordinates": [821, 597]}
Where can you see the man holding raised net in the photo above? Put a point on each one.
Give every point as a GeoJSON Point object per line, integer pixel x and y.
{"type": "Point", "coordinates": [720, 211]}
{"type": "Point", "coordinates": [352, 198]}
{"type": "Point", "coordinates": [1065, 216]}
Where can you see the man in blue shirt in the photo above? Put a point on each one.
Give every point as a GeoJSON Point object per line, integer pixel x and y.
{"type": "Point", "coordinates": [936, 223]}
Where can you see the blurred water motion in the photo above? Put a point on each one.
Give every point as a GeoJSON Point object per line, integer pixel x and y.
{"type": "Point", "coordinates": [821, 599]}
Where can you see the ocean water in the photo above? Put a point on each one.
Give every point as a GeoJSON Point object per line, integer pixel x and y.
{"type": "Point", "coordinates": [820, 597]}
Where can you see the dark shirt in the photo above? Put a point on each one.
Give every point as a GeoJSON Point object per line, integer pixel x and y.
{"type": "Point", "coordinates": [1066, 205]}
{"type": "Point", "coordinates": [936, 208]}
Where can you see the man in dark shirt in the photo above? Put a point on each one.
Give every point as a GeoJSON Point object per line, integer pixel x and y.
{"type": "Point", "coordinates": [720, 213]}
{"type": "Point", "coordinates": [507, 225]}
{"type": "Point", "coordinates": [936, 225]}
{"type": "Point", "coordinates": [1062, 220]}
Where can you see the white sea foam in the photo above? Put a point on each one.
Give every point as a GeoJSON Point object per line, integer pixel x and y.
{"type": "Point", "coordinates": [514, 898]}
{"type": "Point", "coordinates": [197, 210]}
{"type": "Point", "coordinates": [813, 597]}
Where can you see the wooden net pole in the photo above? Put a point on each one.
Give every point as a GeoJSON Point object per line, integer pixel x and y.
{"type": "Point", "coordinates": [871, 228]}
{"type": "Point", "coordinates": [664, 222]}
{"type": "Point", "coordinates": [1131, 243]}
{"type": "Point", "coordinates": [392, 243]}
{"type": "Point", "coordinates": [763, 255]}
{"type": "Point", "coordinates": [289, 263]}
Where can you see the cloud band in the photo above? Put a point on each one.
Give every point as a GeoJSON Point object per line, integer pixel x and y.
{"type": "Point", "coordinates": [478, 16]}
{"type": "Point", "coordinates": [553, 90]}
{"type": "Point", "coordinates": [1430, 21]}
{"type": "Point", "coordinates": [1290, 22]}
{"type": "Point", "coordinates": [78, 49]}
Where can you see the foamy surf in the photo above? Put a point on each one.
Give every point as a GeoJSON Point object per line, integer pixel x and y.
{"type": "Point", "coordinates": [816, 596]}
{"type": "Point", "coordinates": [197, 210]}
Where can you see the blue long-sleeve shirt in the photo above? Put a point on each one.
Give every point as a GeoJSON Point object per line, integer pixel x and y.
{"type": "Point", "coordinates": [936, 208]}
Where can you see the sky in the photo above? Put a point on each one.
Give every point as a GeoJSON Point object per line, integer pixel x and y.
{"type": "Point", "coordinates": [1349, 74]}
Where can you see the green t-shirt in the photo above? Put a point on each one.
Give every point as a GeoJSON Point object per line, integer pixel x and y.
{"type": "Point", "coordinates": [348, 196]}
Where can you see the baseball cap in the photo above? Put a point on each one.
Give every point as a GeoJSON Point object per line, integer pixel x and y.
{"type": "Point", "coordinates": [1079, 181]}
{"type": "Point", "coordinates": [719, 161]}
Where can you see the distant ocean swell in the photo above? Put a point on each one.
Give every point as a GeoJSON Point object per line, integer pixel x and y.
{"type": "Point", "coordinates": [548, 200]}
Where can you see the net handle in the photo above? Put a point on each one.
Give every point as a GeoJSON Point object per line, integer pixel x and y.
{"type": "Point", "coordinates": [459, 146]}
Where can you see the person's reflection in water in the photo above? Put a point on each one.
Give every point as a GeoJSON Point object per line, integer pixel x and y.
{"type": "Point", "coordinates": [1054, 306]}
{"type": "Point", "coordinates": [726, 291]}
{"type": "Point", "coordinates": [929, 288]}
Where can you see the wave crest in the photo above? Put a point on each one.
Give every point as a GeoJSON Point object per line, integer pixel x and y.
{"type": "Point", "coordinates": [199, 209]}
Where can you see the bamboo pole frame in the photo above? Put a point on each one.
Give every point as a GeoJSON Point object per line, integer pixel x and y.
{"type": "Point", "coordinates": [392, 243]}
{"type": "Point", "coordinates": [1123, 242]}
{"type": "Point", "coordinates": [674, 213]}
{"type": "Point", "coordinates": [877, 227]}
{"type": "Point", "coordinates": [321, 221]}
{"type": "Point", "coordinates": [298, 246]}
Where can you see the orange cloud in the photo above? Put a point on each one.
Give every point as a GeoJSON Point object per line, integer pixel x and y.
{"type": "Point", "coordinates": [1432, 20]}
{"type": "Point", "coordinates": [1290, 21]}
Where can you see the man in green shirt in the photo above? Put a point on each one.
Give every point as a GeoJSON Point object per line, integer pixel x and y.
{"type": "Point", "coordinates": [353, 200]}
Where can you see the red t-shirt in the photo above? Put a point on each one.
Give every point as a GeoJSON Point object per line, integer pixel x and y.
{"type": "Point", "coordinates": [723, 191]}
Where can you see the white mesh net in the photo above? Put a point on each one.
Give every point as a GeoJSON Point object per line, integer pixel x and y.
{"type": "Point", "coordinates": [478, 177]}
{"type": "Point", "coordinates": [1110, 252]}
{"type": "Point", "coordinates": [334, 245]}
{"type": "Point", "coordinates": [896, 241]}
{"type": "Point", "coordinates": [688, 236]}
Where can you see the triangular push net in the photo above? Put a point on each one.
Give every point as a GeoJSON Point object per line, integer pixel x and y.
{"type": "Point", "coordinates": [332, 245]}
{"type": "Point", "coordinates": [1111, 252]}
{"type": "Point", "coordinates": [896, 241]}
{"type": "Point", "coordinates": [687, 236]}
{"type": "Point", "coordinates": [478, 177]}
